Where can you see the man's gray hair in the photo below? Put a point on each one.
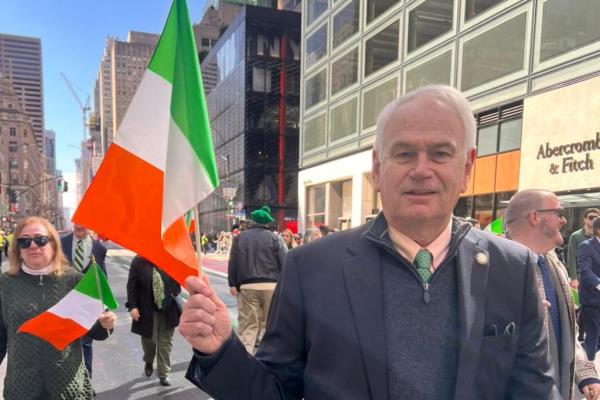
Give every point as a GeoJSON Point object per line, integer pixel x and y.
{"type": "Point", "coordinates": [447, 95]}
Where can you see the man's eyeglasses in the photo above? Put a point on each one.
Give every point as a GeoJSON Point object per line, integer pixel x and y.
{"type": "Point", "coordinates": [25, 243]}
{"type": "Point", "coordinates": [560, 212]}
{"type": "Point", "coordinates": [591, 217]}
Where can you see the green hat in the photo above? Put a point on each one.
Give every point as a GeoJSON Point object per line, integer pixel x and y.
{"type": "Point", "coordinates": [262, 216]}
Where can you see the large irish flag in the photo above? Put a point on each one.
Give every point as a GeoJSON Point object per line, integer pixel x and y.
{"type": "Point", "coordinates": [161, 163]}
{"type": "Point", "coordinates": [76, 313]}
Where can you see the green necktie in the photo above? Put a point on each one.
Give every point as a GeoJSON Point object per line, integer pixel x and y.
{"type": "Point", "coordinates": [423, 264]}
{"type": "Point", "coordinates": [158, 288]}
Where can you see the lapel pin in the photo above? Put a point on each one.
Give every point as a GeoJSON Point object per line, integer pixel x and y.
{"type": "Point", "coordinates": [481, 258]}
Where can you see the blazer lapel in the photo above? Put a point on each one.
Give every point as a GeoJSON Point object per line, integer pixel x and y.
{"type": "Point", "coordinates": [473, 267]}
{"type": "Point", "coordinates": [362, 275]}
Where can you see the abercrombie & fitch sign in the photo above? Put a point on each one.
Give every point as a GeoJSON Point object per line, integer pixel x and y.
{"type": "Point", "coordinates": [569, 157]}
{"type": "Point", "coordinates": [560, 139]}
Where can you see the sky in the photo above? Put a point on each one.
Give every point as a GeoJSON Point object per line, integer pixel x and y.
{"type": "Point", "coordinates": [73, 35]}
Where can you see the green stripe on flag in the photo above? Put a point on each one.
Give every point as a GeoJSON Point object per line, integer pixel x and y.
{"type": "Point", "coordinates": [497, 226]}
{"type": "Point", "coordinates": [176, 60]}
{"type": "Point", "coordinates": [88, 285]}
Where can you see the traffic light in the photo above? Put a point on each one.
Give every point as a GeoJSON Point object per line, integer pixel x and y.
{"type": "Point", "coordinates": [59, 185]}
{"type": "Point", "coordinates": [66, 186]}
{"type": "Point", "coordinates": [13, 195]}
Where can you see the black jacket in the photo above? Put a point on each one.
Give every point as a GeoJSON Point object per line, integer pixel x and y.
{"type": "Point", "coordinates": [325, 335]}
{"type": "Point", "coordinates": [257, 255]}
{"type": "Point", "coordinates": [140, 296]}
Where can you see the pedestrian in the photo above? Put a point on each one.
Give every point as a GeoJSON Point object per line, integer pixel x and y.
{"type": "Point", "coordinates": [255, 262]}
{"type": "Point", "coordinates": [81, 249]}
{"type": "Point", "coordinates": [298, 239]}
{"type": "Point", "coordinates": [3, 243]}
{"type": "Point", "coordinates": [312, 234]}
{"type": "Point", "coordinates": [325, 230]}
{"type": "Point", "coordinates": [576, 238]}
{"type": "Point", "coordinates": [154, 314]}
{"type": "Point", "coordinates": [37, 278]}
{"type": "Point", "coordinates": [588, 260]}
{"type": "Point", "coordinates": [534, 218]}
{"type": "Point", "coordinates": [9, 239]}
{"type": "Point", "coordinates": [288, 239]}
{"type": "Point", "coordinates": [415, 304]}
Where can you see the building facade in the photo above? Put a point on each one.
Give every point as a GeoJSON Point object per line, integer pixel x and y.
{"type": "Point", "coordinates": [516, 61]}
{"type": "Point", "coordinates": [252, 86]}
{"type": "Point", "coordinates": [121, 69]}
{"type": "Point", "coordinates": [22, 176]}
{"type": "Point", "coordinates": [21, 63]}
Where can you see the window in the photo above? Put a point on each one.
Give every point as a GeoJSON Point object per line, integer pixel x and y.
{"type": "Point", "coordinates": [25, 132]}
{"type": "Point", "coordinates": [436, 70]}
{"type": "Point", "coordinates": [345, 23]}
{"type": "Point", "coordinates": [510, 135]}
{"type": "Point", "coordinates": [382, 49]}
{"type": "Point", "coordinates": [487, 140]}
{"type": "Point", "coordinates": [494, 53]}
{"type": "Point", "coordinates": [314, 9]}
{"type": "Point", "coordinates": [12, 131]}
{"type": "Point", "coordinates": [340, 204]}
{"type": "Point", "coordinates": [316, 46]}
{"type": "Point", "coordinates": [12, 147]}
{"type": "Point", "coordinates": [375, 99]}
{"type": "Point", "coordinates": [315, 89]}
{"type": "Point", "coordinates": [499, 130]}
{"type": "Point", "coordinates": [205, 41]}
{"type": "Point", "coordinates": [427, 21]}
{"type": "Point", "coordinates": [346, 71]}
{"type": "Point", "coordinates": [377, 7]}
{"type": "Point", "coordinates": [315, 132]}
{"type": "Point", "coordinates": [567, 25]}
{"type": "Point", "coordinates": [261, 80]}
{"type": "Point", "coordinates": [476, 7]}
{"type": "Point", "coordinates": [315, 206]}
{"type": "Point", "coordinates": [343, 120]}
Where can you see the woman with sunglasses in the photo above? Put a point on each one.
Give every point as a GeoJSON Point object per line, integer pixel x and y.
{"type": "Point", "coordinates": [37, 278]}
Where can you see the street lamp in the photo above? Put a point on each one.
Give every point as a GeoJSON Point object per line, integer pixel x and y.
{"type": "Point", "coordinates": [229, 190]}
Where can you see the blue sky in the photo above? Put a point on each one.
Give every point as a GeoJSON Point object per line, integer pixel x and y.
{"type": "Point", "coordinates": [73, 36]}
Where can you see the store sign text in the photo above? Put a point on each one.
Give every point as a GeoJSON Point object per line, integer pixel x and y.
{"type": "Point", "coordinates": [570, 161]}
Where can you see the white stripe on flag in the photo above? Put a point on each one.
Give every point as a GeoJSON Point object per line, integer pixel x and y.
{"type": "Point", "coordinates": [79, 307]}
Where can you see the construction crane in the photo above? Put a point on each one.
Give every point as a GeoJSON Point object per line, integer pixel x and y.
{"type": "Point", "coordinates": [84, 107]}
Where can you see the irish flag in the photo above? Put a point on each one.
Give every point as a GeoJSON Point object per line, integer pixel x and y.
{"type": "Point", "coordinates": [76, 313]}
{"type": "Point", "coordinates": [161, 163]}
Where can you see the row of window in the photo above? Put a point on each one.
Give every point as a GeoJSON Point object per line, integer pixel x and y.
{"type": "Point", "coordinates": [565, 26]}
{"type": "Point", "coordinates": [12, 131]}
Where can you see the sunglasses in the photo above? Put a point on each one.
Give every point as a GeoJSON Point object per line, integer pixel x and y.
{"type": "Point", "coordinates": [560, 212]}
{"type": "Point", "coordinates": [592, 217]}
{"type": "Point", "coordinates": [25, 243]}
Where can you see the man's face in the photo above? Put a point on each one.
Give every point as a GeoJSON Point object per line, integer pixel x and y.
{"type": "Point", "coordinates": [552, 222]}
{"type": "Point", "coordinates": [424, 166]}
{"type": "Point", "coordinates": [80, 232]}
{"type": "Point", "coordinates": [589, 219]}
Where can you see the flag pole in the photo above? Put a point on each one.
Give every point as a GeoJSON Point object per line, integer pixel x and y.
{"type": "Point", "coordinates": [198, 239]}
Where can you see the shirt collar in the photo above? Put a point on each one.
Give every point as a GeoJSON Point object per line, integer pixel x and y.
{"type": "Point", "coordinates": [408, 248]}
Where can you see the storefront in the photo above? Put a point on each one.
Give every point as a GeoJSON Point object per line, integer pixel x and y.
{"type": "Point", "coordinates": [561, 146]}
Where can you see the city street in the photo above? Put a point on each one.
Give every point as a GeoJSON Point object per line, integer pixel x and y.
{"type": "Point", "coordinates": [118, 366]}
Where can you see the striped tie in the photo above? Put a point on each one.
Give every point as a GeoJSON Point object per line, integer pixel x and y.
{"type": "Point", "coordinates": [78, 260]}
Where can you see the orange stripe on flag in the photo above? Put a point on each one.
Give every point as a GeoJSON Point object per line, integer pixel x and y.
{"type": "Point", "coordinates": [124, 204]}
{"type": "Point", "coordinates": [57, 331]}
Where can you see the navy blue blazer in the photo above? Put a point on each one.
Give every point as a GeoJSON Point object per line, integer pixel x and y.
{"type": "Point", "coordinates": [98, 251]}
{"type": "Point", "coordinates": [325, 333]}
{"type": "Point", "coordinates": [588, 260]}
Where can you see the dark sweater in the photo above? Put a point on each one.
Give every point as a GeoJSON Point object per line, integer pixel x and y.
{"type": "Point", "coordinates": [421, 338]}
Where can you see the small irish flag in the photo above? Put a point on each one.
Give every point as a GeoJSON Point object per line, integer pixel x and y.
{"type": "Point", "coordinates": [74, 315]}
{"type": "Point", "coordinates": [161, 163]}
